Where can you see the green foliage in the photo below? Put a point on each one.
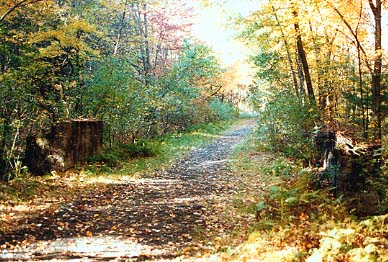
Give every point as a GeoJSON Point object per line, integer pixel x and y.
{"type": "Point", "coordinates": [293, 198]}
{"type": "Point", "coordinates": [275, 74]}
{"type": "Point", "coordinates": [223, 110]}
{"type": "Point", "coordinates": [61, 60]}
{"type": "Point", "coordinates": [61, 55]}
{"type": "Point", "coordinates": [114, 95]}
{"type": "Point", "coordinates": [41, 58]}
{"type": "Point", "coordinates": [112, 156]}
{"type": "Point", "coordinates": [285, 124]}
{"type": "Point", "coordinates": [172, 101]}
{"type": "Point", "coordinates": [197, 62]}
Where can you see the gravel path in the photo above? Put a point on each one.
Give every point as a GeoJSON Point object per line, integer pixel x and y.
{"type": "Point", "coordinates": [173, 213]}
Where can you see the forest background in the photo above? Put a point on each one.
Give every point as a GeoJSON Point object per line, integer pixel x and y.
{"type": "Point", "coordinates": [133, 65]}
{"type": "Point", "coordinates": [128, 63]}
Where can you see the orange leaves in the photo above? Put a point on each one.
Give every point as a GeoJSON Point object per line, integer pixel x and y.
{"type": "Point", "coordinates": [182, 210]}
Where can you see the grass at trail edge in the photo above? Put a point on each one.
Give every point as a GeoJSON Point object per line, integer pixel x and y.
{"type": "Point", "coordinates": [164, 151]}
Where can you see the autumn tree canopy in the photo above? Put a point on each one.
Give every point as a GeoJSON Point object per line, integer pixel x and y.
{"type": "Point", "coordinates": [326, 53]}
{"type": "Point", "coordinates": [132, 64]}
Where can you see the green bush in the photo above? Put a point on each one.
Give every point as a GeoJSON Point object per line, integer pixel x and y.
{"type": "Point", "coordinates": [123, 152]}
{"type": "Point", "coordinates": [139, 149]}
{"type": "Point", "coordinates": [108, 158]}
{"type": "Point", "coordinates": [285, 125]}
{"type": "Point", "coordinates": [294, 206]}
{"type": "Point", "coordinates": [223, 110]}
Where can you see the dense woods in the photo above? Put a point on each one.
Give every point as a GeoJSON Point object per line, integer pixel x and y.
{"type": "Point", "coordinates": [321, 93]}
{"type": "Point", "coordinates": [303, 178]}
{"type": "Point", "coordinates": [129, 63]}
{"type": "Point", "coordinates": [328, 55]}
{"type": "Point", "coordinates": [319, 67]}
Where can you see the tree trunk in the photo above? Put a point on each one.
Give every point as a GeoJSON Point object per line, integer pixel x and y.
{"type": "Point", "coordinates": [287, 46]}
{"type": "Point", "coordinates": [303, 59]}
{"type": "Point", "coordinates": [364, 122]}
{"type": "Point", "coordinates": [360, 77]}
{"type": "Point", "coordinates": [3, 144]}
{"type": "Point", "coordinates": [141, 20]}
{"type": "Point", "coordinates": [320, 70]}
{"type": "Point", "coordinates": [121, 26]}
{"type": "Point", "coordinates": [147, 59]}
{"type": "Point", "coordinates": [6, 130]}
{"type": "Point", "coordinates": [376, 75]}
{"type": "Point", "coordinates": [299, 66]}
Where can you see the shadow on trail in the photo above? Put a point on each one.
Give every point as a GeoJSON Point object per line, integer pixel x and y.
{"type": "Point", "coordinates": [145, 219]}
{"type": "Point", "coordinates": [136, 211]}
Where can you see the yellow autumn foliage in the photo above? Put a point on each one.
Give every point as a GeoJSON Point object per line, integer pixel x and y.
{"type": "Point", "coordinates": [68, 38]}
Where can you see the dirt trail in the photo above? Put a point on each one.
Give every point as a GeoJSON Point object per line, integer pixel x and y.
{"type": "Point", "coordinates": [172, 213]}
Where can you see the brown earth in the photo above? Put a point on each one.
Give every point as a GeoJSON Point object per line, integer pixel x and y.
{"type": "Point", "coordinates": [175, 214]}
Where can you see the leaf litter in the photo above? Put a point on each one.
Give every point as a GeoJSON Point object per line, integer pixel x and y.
{"type": "Point", "coordinates": [173, 214]}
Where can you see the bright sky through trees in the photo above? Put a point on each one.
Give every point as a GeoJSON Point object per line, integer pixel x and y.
{"type": "Point", "coordinates": [213, 26]}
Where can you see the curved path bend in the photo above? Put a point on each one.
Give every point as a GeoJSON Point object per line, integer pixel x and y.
{"type": "Point", "coordinates": [173, 213]}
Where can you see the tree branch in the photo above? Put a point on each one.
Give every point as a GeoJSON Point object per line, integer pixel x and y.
{"type": "Point", "coordinates": [13, 8]}
{"type": "Point", "coordinates": [354, 34]}
{"type": "Point", "coordinates": [373, 7]}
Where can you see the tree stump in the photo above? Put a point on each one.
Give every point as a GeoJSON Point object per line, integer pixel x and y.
{"type": "Point", "coordinates": [353, 170]}
{"type": "Point", "coordinates": [67, 144]}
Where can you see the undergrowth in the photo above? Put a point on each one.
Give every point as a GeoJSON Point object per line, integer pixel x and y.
{"type": "Point", "coordinates": [112, 156]}
{"type": "Point", "coordinates": [145, 157]}
{"type": "Point", "coordinates": [296, 220]}
{"type": "Point", "coordinates": [122, 160]}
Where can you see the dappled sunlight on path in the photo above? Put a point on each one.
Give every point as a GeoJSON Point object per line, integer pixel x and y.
{"type": "Point", "coordinates": [170, 213]}
{"type": "Point", "coordinates": [103, 247]}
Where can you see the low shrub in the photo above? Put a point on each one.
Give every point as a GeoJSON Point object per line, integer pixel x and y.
{"type": "Point", "coordinates": [139, 149]}
{"type": "Point", "coordinates": [293, 202]}
{"type": "Point", "coordinates": [108, 158]}
{"type": "Point", "coordinates": [223, 110]}
{"type": "Point", "coordinates": [123, 152]}
{"type": "Point", "coordinates": [285, 126]}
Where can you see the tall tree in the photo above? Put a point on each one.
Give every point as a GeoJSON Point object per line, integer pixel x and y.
{"type": "Point", "coordinates": [376, 75]}
{"type": "Point", "coordinates": [302, 55]}
{"type": "Point", "coordinates": [289, 57]}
